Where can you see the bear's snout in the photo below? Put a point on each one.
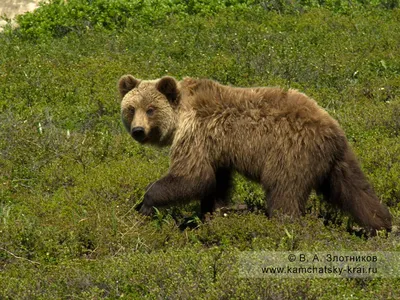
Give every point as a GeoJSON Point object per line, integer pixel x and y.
{"type": "Point", "coordinates": [138, 134]}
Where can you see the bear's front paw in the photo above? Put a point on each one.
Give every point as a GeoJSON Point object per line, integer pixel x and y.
{"type": "Point", "coordinates": [146, 210]}
{"type": "Point", "coordinates": [146, 206]}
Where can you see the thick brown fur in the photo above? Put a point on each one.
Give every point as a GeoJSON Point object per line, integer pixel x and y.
{"type": "Point", "coordinates": [280, 138]}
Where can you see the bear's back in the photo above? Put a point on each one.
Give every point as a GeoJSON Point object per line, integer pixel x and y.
{"type": "Point", "coordinates": [209, 99]}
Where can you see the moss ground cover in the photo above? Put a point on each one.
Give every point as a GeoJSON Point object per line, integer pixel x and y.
{"type": "Point", "coordinates": [70, 176]}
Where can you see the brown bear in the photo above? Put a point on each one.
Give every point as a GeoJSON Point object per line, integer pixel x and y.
{"type": "Point", "coordinates": [280, 138]}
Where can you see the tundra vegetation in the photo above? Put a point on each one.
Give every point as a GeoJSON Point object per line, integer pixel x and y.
{"type": "Point", "coordinates": [70, 175]}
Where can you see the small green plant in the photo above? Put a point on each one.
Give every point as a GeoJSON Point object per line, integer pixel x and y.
{"type": "Point", "coordinates": [4, 213]}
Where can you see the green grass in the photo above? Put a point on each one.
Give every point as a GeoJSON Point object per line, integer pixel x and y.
{"type": "Point", "coordinates": [70, 175]}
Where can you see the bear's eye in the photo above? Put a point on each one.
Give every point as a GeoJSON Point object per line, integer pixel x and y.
{"type": "Point", "coordinates": [131, 110]}
{"type": "Point", "coordinates": [150, 111]}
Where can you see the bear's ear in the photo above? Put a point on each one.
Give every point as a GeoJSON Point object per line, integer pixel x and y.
{"type": "Point", "coordinates": [127, 83]}
{"type": "Point", "coordinates": [168, 86]}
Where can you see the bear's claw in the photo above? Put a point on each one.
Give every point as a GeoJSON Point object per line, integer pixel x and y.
{"type": "Point", "coordinates": [144, 209]}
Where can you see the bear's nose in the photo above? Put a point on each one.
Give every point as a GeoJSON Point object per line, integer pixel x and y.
{"type": "Point", "coordinates": [138, 133]}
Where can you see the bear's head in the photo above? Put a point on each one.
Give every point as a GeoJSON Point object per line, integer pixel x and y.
{"type": "Point", "coordinates": [149, 108]}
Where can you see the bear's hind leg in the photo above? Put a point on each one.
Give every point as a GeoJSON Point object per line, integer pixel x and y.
{"type": "Point", "coordinates": [289, 199]}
